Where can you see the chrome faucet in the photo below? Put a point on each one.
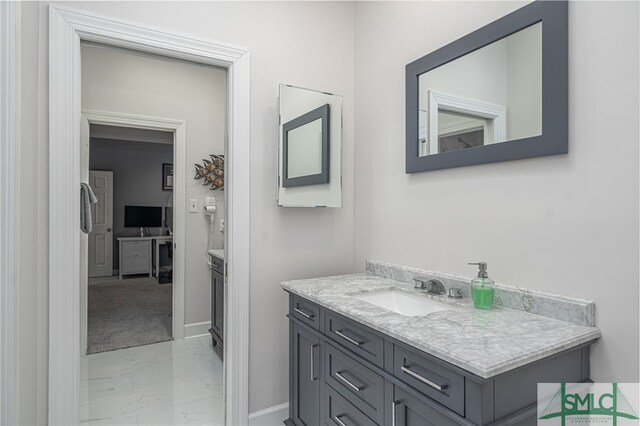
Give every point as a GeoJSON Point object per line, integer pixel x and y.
{"type": "Point", "coordinates": [431, 285]}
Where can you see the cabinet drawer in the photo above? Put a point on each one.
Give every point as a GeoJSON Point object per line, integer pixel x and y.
{"type": "Point", "coordinates": [363, 387]}
{"type": "Point", "coordinates": [136, 247]}
{"type": "Point", "coordinates": [340, 412]}
{"type": "Point", "coordinates": [306, 312]}
{"type": "Point", "coordinates": [407, 410]}
{"type": "Point", "coordinates": [432, 379]}
{"type": "Point", "coordinates": [134, 262]}
{"type": "Point", "coordinates": [355, 337]}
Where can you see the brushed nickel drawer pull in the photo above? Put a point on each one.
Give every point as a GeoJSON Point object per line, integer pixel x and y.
{"type": "Point", "coordinates": [303, 313]}
{"type": "Point", "coordinates": [394, 404]}
{"type": "Point", "coordinates": [424, 380]}
{"type": "Point", "coordinates": [340, 422]}
{"type": "Point", "coordinates": [348, 382]}
{"type": "Point", "coordinates": [347, 338]}
{"type": "Point", "coordinates": [313, 367]}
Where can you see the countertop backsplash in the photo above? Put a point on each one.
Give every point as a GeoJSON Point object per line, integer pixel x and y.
{"type": "Point", "coordinates": [570, 309]}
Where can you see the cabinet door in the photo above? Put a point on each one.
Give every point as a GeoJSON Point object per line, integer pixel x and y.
{"type": "Point", "coordinates": [407, 410]}
{"type": "Point", "coordinates": [305, 374]}
{"type": "Point", "coordinates": [217, 317]}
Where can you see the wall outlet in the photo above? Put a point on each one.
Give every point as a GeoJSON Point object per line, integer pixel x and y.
{"type": "Point", "coordinates": [193, 205]}
{"type": "Point", "coordinates": [221, 225]}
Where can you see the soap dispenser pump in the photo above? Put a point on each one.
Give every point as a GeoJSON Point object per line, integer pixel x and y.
{"type": "Point", "coordinates": [482, 289]}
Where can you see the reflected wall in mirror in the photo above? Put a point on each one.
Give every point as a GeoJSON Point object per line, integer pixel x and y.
{"type": "Point", "coordinates": [497, 94]}
{"type": "Point", "coordinates": [488, 96]}
{"type": "Point", "coordinates": [310, 144]}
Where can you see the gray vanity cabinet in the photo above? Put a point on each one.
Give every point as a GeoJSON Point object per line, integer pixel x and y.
{"type": "Point", "coordinates": [217, 304]}
{"type": "Point", "coordinates": [343, 373]}
{"type": "Point", "coordinates": [305, 376]}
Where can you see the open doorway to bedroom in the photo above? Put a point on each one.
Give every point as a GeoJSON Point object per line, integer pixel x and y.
{"type": "Point", "coordinates": [130, 256]}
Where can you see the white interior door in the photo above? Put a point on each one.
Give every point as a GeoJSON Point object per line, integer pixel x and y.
{"type": "Point", "coordinates": [101, 237]}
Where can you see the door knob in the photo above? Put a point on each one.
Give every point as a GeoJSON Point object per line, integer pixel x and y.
{"type": "Point", "coordinates": [108, 229]}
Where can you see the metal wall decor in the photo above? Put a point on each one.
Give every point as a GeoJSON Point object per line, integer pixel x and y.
{"type": "Point", "coordinates": [211, 171]}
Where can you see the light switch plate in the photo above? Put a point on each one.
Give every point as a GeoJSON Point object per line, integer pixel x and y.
{"type": "Point", "coordinates": [193, 205]}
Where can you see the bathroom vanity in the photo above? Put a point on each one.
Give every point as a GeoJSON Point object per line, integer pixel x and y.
{"type": "Point", "coordinates": [353, 362]}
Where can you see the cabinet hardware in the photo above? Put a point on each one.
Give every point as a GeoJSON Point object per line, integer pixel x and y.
{"type": "Point", "coordinates": [303, 313]}
{"type": "Point", "coordinates": [348, 382]}
{"type": "Point", "coordinates": [313, 367]}
{"type": "Point", "coordinates": [424, 380]}
{"type": "Point", "coordinates": [347, 338]}
{"type": "Point", "coordinates": [340, 422]}
{"type": "Point", "coordinates": [394, 404]}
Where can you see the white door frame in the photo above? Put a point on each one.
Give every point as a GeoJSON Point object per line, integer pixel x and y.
{"type": "Point", "coordinates": [10, 105]}
{"type": "Point", "coordinates": [67, 27]}
{"type": "Point", "coordinates": [179, 130]}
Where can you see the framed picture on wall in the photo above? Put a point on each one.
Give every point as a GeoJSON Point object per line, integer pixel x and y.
{"type": "Point", "coordinates": [167, 177]}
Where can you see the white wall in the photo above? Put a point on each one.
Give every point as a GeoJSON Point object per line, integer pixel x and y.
{"type": "Point", "coordinates": [116, 80]}
{"type": "Point", "coordinates": [304, 44]}
{"type": "Point", "coordinates": [566, 224]}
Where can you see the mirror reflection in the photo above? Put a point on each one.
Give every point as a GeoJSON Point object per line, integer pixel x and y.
{"type": "Point", "coordinates": [309, 148]}
{"type": "Point", "coordinates": [305, 150]}
{"type": "Point", "coordinates": [488, 96]}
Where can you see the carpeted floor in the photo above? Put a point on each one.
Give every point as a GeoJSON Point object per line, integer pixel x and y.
{"type": "Point", "coordinates": [128, 312]}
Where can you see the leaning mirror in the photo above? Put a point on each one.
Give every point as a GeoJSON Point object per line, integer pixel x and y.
{"type": "Point", "coordinates": [497, 94]}
{"type": "Point", "coordinates": [310, 147]}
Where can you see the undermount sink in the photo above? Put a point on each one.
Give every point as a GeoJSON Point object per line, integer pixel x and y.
{"type": "Point", "coordinates": [407, 304]}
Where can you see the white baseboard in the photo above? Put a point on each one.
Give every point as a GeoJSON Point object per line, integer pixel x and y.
{"type": "Point", "coordinates": [272, 416]}
{"type": "Point", "coordinates": [197, 329]}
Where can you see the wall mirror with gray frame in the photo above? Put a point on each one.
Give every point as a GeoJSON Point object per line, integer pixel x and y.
{"type": "Point", "coordinates": [310, 144]}
{"type": "Point", "coordinates": [497, 94]}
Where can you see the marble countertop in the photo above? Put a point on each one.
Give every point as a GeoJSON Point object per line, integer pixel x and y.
{"type": "Point", "coordinates": [219, 253]}
{"type": "Point", "coordinates": [485, 343]}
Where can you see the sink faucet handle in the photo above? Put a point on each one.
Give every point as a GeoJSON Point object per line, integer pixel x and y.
{"type": "Point", "coordinates": [455, 292]}
{"type": "Point", "coordinates": [420, 282]}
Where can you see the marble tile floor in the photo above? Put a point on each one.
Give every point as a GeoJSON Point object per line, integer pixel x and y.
{"type": "Point", "coordinates": [169, 383]}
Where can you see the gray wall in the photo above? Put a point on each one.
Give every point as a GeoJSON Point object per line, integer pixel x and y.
{"type": "Point", "coordinates": [137, 178]}
{"type": "Point", "coordinates": [566, 224]}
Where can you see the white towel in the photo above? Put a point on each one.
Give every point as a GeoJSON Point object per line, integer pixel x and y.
{"type": "Point", "coordinates": [87, 197]}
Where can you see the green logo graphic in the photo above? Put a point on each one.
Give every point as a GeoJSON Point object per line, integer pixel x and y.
{"type": "Point", "coordinates": [613, 404]}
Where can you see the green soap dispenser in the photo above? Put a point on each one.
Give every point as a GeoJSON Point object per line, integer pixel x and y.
{"type": "Point", "coordinates": [482, 290]}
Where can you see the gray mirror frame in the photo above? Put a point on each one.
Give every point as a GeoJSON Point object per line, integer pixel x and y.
{"type": "Point", "coordinates": [322, 177]}
{"type": "Point", "coordinates": [555, 111]}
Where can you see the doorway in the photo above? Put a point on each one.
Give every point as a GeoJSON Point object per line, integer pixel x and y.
{"type": "Point", "coordinates": [67, 27]}
{"type": "Point", "coordinates": [130, 246]}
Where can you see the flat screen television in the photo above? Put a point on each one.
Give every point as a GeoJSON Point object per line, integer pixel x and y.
{"type": "Point", "coordinates": [142, 217]}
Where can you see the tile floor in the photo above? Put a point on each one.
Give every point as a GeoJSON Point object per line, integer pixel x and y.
{"type": "Point", "coordinates": [168, 383]}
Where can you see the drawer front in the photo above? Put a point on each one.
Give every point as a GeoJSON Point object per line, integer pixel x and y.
{"type": "Point", "coordinates": [306, 312]}
{"type": "Point", "coordinates": [432, 379]}
{"type": "Point", "coordinates": [407, 410]}
{"type": "Point", "coordinates": [134, 262]}
{"type": "Point", "coordinates": [359, 384]}
{"type": "Point", "coordinates": [340, 412]}
{"type": "Point", "coordinates": [217, 264]}
{"type": "Point", "coordinates": [136, 247]}
{"type": "Point", "coordinates": [356, 338]}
